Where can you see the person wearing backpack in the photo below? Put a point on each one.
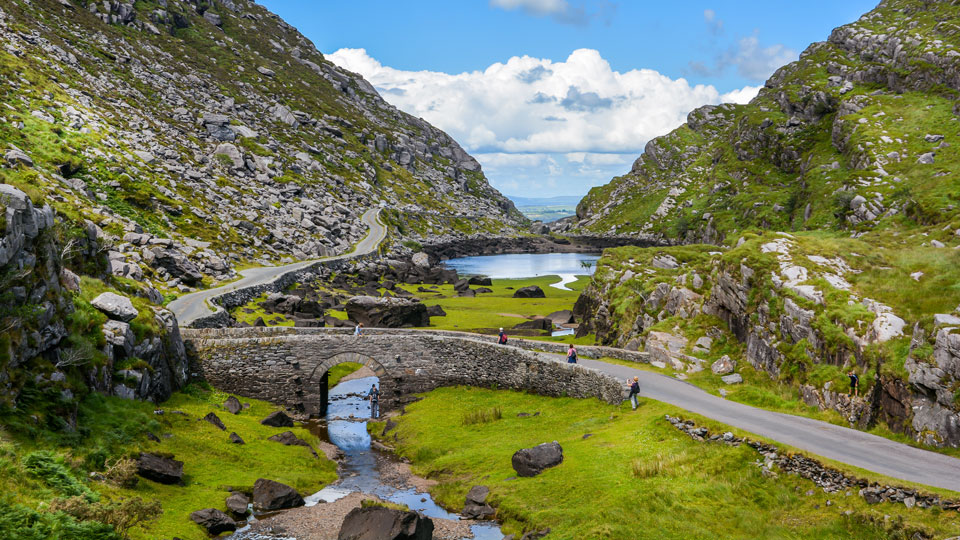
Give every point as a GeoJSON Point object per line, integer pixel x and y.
{"type": "Point", "coordinates": [572, 355]}
{"type": "Point", "coordinates": [374, 396]}
{"type": "Point", "coordinates": [634, 392]}
{"type": "Point", "coordinates": [502, 340]}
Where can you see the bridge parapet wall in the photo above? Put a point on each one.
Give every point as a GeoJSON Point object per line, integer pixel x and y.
{"type": "Point", "coordinates": [285, 365]}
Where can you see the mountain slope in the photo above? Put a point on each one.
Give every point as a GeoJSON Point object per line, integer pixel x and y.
{"type": "Point", "coordinates": [221, 134]}
{"type": "Point", "coordinates": [829, 206]}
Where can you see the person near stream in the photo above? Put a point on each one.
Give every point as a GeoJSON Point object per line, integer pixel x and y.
{"type": "Point", "coordinates": [854, 384]}
{"type": "Point", "coordinates": [572, 355]}
{"type": "Point", "coordinates": [634, 391]}
{"type": "Point", "coordinates": [374, 396]}
{"type": "Point", "coordinates": [502, 340]}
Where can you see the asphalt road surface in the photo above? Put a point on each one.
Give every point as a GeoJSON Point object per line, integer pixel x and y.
{"type": "Point", "coordinates": [190, 307]}
{"type": "Point", "coordinates": [834, 442]}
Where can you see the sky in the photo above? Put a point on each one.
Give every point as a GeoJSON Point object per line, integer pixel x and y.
{"type": "Point", "coordinates": [554, 97]}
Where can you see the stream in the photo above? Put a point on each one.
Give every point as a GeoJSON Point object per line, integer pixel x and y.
{"type": "Point", "coordinates": [346, 427]}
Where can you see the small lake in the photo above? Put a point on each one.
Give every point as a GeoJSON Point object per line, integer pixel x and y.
{"type": "Point", "coordinates": [524, 265]}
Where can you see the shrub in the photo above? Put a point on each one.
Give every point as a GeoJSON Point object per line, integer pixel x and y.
{"type": "Point", "coordinates": [482, 416]}
{"type": "Point", "coordinates": [122, 515]}
{"type": "Point", "coordinates": [22, 523]}
{"type": "Point", "coordinates": [45, 466]}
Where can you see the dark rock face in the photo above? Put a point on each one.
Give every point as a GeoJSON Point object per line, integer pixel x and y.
{"type": "Point", "coordinates": [175, 263]}
{"type": "Point", "coordinates": [232, 405]}
{"type": "Point", "coordinates": [269, 495]}
{"type": "Point", "coordinates": [533, 461]}
{"type": "Point", "coordinates": [160, 469]}
{"type": "Point", "coordinates": [215, 420]}
{"type": "Point", "coordinates": [532, 291]}
{"type": "Point", "coordinates": [535, 324]}
{"type": "Point", "coordinates": [380, 523]}
{"type": "Point", "coordinates": [387, 312]}
{"type": "Point", "coordinates": [277, 419]}
{"type": "Point", "coordinates": [476, 506]}
{"type": "Point", "coordinates": [214, 521]}
{"type": "Point", "coordinates": [237, 504]}
{"type": "Point", "coordinates": [480, 280]}
{"type": "Point", "coordinates": [561, 317]}
{"type": "Point", "coordinates": [235, 439]}
{"type": "Point", "coordinates": [287, 438]}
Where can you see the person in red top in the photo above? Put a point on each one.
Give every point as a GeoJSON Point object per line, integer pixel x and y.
{"type": "Point", "coordinates": [502, 340]}
{"type": "Point", "coordinates": [571, 355]}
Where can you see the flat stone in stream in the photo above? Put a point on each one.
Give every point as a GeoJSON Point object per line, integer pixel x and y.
{"type": "Point", "coordinates": [381, 523]}
{"type": "Point", "coordinates": [269, 495]}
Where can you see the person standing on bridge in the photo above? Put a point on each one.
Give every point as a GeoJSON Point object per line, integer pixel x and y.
{"type": "Point", "coordinates": [572, 355]}
{"type": "Point", "coordinates": [358, 330]}
{"type": "Point", "coordinates": [502, 339]}
{"type": "Point", "coordinates": [374, 396]}
{"type": "Point", "coordinates": [634, 391]}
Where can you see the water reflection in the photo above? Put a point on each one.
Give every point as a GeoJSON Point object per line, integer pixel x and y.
{"type": "Point", "coordinates": [525, 265]}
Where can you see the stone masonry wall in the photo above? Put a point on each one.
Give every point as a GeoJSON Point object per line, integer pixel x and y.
{"type": "Point", "coordinates": [285, 365]}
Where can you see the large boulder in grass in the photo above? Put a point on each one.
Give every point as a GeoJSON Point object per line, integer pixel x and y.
{"type": "Point", "coordinates": [269, 495]}
{"type": "Point", "coordinates": [277, 419]}
{"type": "Point", "coordinates": [533, 461]}
{"type": "Point", "coordinates": [386, 312]}
{"type": "Point", "coordinates": [381, 523]}
{"type": "Point", "coordinates": [232, 405]}
{"type": "Point", "coordinates": [237, 503]}
{"type": "Point", "coordinates": [564, 316]}
{"type": "Point", "coordinates": [480, 280]}
{"type": "Point", "coordinates": [215, 420]}
{"type": "Point", "coordinates": [160, 469]}
{"type": "Point", "coordinates": [117, 307]}
{"type": "Point", "coordinates": [476, 506]}
{"type": "Point", "coordinates": [532, 291]}
{"type": "Point", "coordinates": [214, 521]}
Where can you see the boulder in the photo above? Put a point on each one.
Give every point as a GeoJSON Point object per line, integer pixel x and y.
{"type": "Point", "coordinates": [214, 521]}
{"type": "Point", "coordinates": [232, 405]}
{"type": "Point", "coordinates": [476, 506]}
{"type": "Point", "coordinates": [381, 523]}
{"type": "Point", "coordinates": [215, 420]}
{"type": "Point", "coordinates": [116, 307]}
{"type": "Point", "coordinates": [16, 157]}
{"type": "Point", "coordinates": [235, 439]}
{"type": "Point", "coordinates": [436, 311]}
{"type": "Point", "coordinates": [723, 365]}
{"type": "Point", "coordinates": [277, 419]}
{"type": "Point", "coordinates": [174, 262]}
{"type": "Point", "coordinates": [532, 291]}
{"type": "Point", "coordinates": [238, 504]}
{"type": "Point", "coordinates": [160, 469]}
{"type": "Point", "coordinates": [269, 495]}
{"type": "Point", "coordinates": [287, 438]}
{"type": "Point", "coordinates": [480, 280]}
{"type": "Point", "coordinates": [387, 312]}
{"type": "Point", "coordinates": [421, 260]}
{"type": "Point", "coordinates": [533, 461]}
{"type": "Point", "coordinates": [535, 324]}
{"type": "Point", "coordinates": [732, 379]}
{"type": "Point", "coordinates": [561, 317]}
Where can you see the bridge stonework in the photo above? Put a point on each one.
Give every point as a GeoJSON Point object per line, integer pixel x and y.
{"type": "Point", "coordinates": [286, 366]}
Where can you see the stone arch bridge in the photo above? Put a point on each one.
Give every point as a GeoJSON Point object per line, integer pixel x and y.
{"type": "Point", "coordinates": [289, 366]}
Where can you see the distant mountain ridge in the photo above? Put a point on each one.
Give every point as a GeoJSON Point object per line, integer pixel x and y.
{"type": "Point", "coordinates": [562, 200]}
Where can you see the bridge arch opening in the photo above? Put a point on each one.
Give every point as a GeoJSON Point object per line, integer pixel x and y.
{"type": "Point", "coordinates": [320, 377]}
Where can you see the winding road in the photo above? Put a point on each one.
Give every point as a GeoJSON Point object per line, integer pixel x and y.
{"type": "Point", "coordinates": [834, 442]}
{"type": "Point", "coordinates": [838, 443]}
{"type": "Point", "coordinates": [190, 307]}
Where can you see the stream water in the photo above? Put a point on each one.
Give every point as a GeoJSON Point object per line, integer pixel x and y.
{"type": "Point", "coordinates": [346, 427]}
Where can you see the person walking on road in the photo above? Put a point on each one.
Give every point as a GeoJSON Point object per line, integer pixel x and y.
{"type": "Point", "coordinates": [854, 384]}
{"type": "Point", "coordinates": [572, 355]}
{"type": "Point", "coordinates": [358, 330]}
{"type": "Point", "coordinates": [374, 396]}
{"type": "Point", "coordinates": [634, 391]}
{"type": "Point", "coordinates": [502, 340]}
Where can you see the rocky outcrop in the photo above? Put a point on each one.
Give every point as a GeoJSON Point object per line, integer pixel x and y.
{"type": "Point", "coordinates": [382, 523]}
{"type": "Point", "coordinates": [387, 312]}
{"type": "Point", "coordinates": [533, 461]}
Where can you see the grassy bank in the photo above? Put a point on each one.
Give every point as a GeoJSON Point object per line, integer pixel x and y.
{"type": "Point", "coordinates": [112, 428]}
{"type": "Point", "coordinates": [634, 477]}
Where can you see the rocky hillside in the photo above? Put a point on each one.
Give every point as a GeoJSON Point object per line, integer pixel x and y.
{"type": "Point", "coordinates": [198, 135]}
{"type": "Point", "coordinates": [817, 229]}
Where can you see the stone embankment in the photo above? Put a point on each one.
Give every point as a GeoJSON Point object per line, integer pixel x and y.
{"type": "Point", "coordinates": [286, 365]}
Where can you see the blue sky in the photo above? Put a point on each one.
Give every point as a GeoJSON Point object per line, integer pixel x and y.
{"type": "Point", "coordinates": [556, 96]}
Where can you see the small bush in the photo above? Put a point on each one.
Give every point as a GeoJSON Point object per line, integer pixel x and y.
{"type": "Point", "coordinates": [45, 466]}
{"type": "Point", "coordinates": [22, 523]}
{"type": "Point", "coordinates": [122, 515]}
{"type": "Point", "coordinates": [482, 416]}
{"type": "Point", "coordinates": [122, 472]}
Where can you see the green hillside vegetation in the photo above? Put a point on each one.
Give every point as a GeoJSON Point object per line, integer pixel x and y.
{"type": "Point", "coordinates": [635, 476]}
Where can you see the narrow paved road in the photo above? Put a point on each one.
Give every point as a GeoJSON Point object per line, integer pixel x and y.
{"type": "Point", "coordinates": [194, 305]}
{"type": "Point", "coordinates": [838, 443]}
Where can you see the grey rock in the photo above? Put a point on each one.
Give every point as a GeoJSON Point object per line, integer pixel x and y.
{"type": "Point", "coordinates": [381, 523]}
{"type": "Point", "coordinates": [387, 312]}
{"type": "Point", "coordinates": [732, 379]}
{"type": "Point", "coordinates": [927, 158]}
{"type": "Point", "coordinates": [16, 156]}
{"type": "Point", "coordinates": [115, 306]}
{"type": "Point", "coordinates": [277, 419]}
{"type": "Point", "coordinates": [476, 506]}
{"type": "Point", "coordinates": [533, 461]}
{"type": "Point", "coordinates": [160, 469]}
{"type": "Point", "coordinates": [723, 365]}
{"type": "Point", "coordinates": [215, 420]}
{"type": "Point", "coordinates": [238, 504]}
{"type": "Point", "coordinates": [270, 495]}
{"type": "Point", "coordinates": [212, 18]}
{"type": "Point", "coordinates": [231, 154]}
{"type": "Point", "coordinates": [287, 438]}
{"type": "Point", "coordinates": [236, 439]}
{"type": "Point", "coordinates": [266, 71]}
{"type": "Point", "coordinates": [214, 521]}
{"type": "Point", "coordinates": [533, 291]}
{"type": "Point", "coordinates": [232, 405]}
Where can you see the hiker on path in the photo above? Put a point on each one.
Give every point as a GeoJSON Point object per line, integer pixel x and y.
{"type": "Point", "coordinates": [571, 355]}
{"type": "Point", "coordinates": [854, 384]}
{"type": "Point", "coordinates": [374, 396]}
{"type": "Point", "coordinates": [502, 340]}
{"type": "Point", "coordinates": [634, 391]}
{"type": "Point", "coordinates": [358, 330]}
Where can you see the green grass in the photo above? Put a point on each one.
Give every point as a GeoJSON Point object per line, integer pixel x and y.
{"type": "Point", "coordinates": [340, 371]}
{"type": "Point", "coordinates": [635, 477]}
{"type": "Point", "coordinates": [252, 310]}
{"type": "Point", "coordinates": [111, 427]}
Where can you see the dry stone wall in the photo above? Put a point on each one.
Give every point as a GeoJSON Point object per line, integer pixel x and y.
{"type": "Point", "coordinates": [286, 365]}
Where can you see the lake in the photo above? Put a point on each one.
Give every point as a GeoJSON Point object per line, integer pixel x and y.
{"type": "Point", "coordinates": [524, 265]}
